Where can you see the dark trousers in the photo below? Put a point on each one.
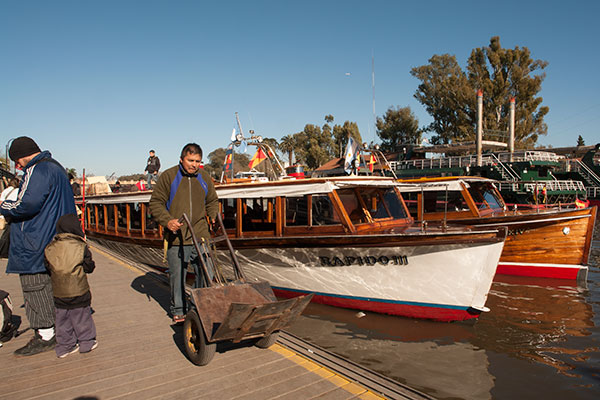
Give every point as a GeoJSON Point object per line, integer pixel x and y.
{"type": "Point", "coordinates": [39, 302]}
{"type": "Point", "coordinates": [74, 326]}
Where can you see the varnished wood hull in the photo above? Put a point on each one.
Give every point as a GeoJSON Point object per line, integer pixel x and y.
{"type": "Point", "coordinates": [549, 244]}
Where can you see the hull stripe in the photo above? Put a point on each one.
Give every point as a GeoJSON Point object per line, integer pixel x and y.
{"type": "Point", "coordinates": [557, 271]}
{"type": "Point", "coordinates": [437, 312]}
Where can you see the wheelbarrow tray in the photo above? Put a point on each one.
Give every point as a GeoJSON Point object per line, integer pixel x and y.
{"type": "Point", "coordinates": [243, 310]}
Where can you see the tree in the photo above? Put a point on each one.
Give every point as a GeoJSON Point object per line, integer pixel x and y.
{"type": "Point", "coordinates": [287, 145]}
{"type": "Point", "coordinates": [449, 94]}
{"type": "Point", "coordinates": [217, 157]}
{"type": "Point", "coordinates": [72, 171]}
{"type": "Point", "coordinates": [398, 126]}
{"type": "Point", "coordinates": [341, 135]}
{"type": "Point", "coordinates": [313, 146]}
{"type": "Point", "coordinates": [580, 141]}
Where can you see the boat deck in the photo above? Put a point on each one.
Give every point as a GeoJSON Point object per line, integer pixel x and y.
{"type": "Point", "coordinates": [141, 355]}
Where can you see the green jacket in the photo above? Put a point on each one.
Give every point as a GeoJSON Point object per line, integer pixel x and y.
{"type": "Point", "coordinates": [64, 256]}
{"type": "Point", "coordinates": [189, 197]}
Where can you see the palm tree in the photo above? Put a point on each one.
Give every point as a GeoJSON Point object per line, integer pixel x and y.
{"type": "Point", "coordinates": [287, 145]}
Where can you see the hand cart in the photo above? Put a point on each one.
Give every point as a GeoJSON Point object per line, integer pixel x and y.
{"type": "Point", "coordinates": [231, 309]}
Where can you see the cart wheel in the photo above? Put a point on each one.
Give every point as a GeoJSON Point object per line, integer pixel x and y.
{"type": "Point", "coordinates": [267, 341]}
{"type": "Point", "coordinates": [197, 347]}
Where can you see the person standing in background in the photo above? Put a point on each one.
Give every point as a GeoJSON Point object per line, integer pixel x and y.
{"type": "Point", "coordinates": [152, 168]}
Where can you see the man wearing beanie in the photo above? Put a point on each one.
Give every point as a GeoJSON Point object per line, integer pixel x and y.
{"type": "Point", "coordinates": [44, 196]}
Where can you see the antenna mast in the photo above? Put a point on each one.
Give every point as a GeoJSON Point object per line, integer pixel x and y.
{"type": "Point", "coordinates": [373, 86]}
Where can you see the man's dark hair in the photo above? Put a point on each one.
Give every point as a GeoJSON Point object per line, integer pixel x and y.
{"type": "Point", "coordinates": [191, 148]}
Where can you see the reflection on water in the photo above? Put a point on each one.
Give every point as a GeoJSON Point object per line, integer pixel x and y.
{"type": "Point", "coordinates": [540, 339]}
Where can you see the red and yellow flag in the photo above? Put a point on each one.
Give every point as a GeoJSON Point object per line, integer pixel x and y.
{"type": "Point", "coordinates": [258, 157]}
{"type": "Point", "coordinates": [228, 158]}
{"type": "Point", "coordinates": [372, 162]}
{"type": "Point", "coordinates": [581, 203]}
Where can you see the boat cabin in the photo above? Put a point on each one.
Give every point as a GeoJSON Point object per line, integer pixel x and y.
{"type": "Point", "coordinates": [262, 209]}
{"type": "Point", "coordinates": [452, 198]}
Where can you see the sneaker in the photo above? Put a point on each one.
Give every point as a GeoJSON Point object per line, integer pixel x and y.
{"type": "Point", "coordinates": [36, 345]}
{"type": "Point", "coordinates": [73, 349]}
{"type": "Point", "coordinates": [177, 319]}
{"type": "Point", "coordinates": [9, 333]}
{"type": "Point", "coordinates": [91, 348]}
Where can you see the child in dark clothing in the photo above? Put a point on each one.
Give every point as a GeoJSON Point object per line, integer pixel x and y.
{"type": "Point", "coordinates": [69, 260]}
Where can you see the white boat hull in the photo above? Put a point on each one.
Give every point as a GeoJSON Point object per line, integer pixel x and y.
{"type": "Point", "coordinates": [440, 282]}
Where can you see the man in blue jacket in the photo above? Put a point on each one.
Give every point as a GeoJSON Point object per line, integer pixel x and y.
{"type": "Point", "coordinates": [44, 196]}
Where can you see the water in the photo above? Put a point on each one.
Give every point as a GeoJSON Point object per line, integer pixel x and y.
{"type": "Point", "coordinates": [540, 340]}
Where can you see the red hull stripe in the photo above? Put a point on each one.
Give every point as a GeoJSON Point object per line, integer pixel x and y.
{"type": "Point", "coordinates": [540, 271]}
{"type": "Point", "coordinates": [435, 312]}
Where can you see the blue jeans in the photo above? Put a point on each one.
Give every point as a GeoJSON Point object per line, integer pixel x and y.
{"type": "Point", "coordinates": [149, 178]}
{"type": "Point", "coordinates": [178, 258]}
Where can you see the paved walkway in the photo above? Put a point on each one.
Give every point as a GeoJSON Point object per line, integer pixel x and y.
{"type": "Point", "coordinates": [141, 356]}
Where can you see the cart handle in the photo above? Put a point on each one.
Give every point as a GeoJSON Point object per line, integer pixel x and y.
{"type": "Point", "coordinates": [185, 218]}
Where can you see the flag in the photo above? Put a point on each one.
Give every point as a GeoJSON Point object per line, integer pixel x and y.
{"type": "Point", "coordinates": [257, 158]}
{"type": "Point", "coordinates": [351, 154]}
{"type": "Point", "coordinates": [372, 162]}
{"type": "Point", "coordinates": [581, 203]}
{"type": "Point", "coordinates": [228, 158]}
{"type": "Point", "coordinates": [233, 138]}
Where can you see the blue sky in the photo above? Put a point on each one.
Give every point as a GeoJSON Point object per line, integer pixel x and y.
{"type": "Point", "coordinates": [99, 83]}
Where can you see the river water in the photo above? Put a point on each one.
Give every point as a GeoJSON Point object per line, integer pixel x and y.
{"type": "Point", "coordinates": [541, 339]}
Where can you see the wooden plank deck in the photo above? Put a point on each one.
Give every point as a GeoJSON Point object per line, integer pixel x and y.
{"type": "Point", "coordinates": [141, 355]}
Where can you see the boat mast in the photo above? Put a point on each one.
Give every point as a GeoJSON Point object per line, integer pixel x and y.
{"type": "Point", "coordinates": [240, 136]}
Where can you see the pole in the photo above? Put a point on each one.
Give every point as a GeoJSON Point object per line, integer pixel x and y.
{"type": "Point", "coordinates": [237, 117]}
{"type": "Point", "coordinates": [479, 125]}
{"type": "Point", "coordinates": [373, 86]}
{"type": "Point", "coordinates": [511, 131]}
{"type": "Point", "coordinates": [83, 210]}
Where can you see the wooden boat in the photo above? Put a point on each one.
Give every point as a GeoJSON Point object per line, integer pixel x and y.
{"type": "Point", "coordinates": [548, 242]}
{"type": "Point", "coordinates": [350, 241]}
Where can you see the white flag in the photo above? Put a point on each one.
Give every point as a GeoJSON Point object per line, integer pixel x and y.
{"type": "Point", "coordinates": [233, 135]}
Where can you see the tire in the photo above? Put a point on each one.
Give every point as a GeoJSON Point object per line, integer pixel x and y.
{"type": "Point", "coordinates": [197, 347]}
{"type": "Point", "coordinates": [267, 341]}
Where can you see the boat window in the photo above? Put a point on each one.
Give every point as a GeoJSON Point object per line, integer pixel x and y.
{"type": "Point", "coordinates": [228, 207]}
{"type": "Point", "coordinates": [122, 215]}
{"type": "Point", "coordinates": [258, 214]}
{"type": "Point", "coordinates": [485, 196]}
{"type": "Point", "coordinates": [394, 203]}
{"type": "Point", "coordinates": [444, 201]}
{"type": "Point", "coordinates": [383, 203]}
{"type": "Point", "coordinates": [296, 211]}
{"type": "Point", "coordinates": [352, 206]}
{"type": "Point", "coordinates": [322, 211]}
{"type": "Point", "coordinates": [412, 202]}
{"type": "Point", "coordinates": [136, 216]}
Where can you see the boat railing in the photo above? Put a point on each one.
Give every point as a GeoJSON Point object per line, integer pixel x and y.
{"type": "Point", "coordinates": [554, 185]}
{"type": "Point", "coordinates": [528, 155]}
{"type": "Point", "coordinates": [507, 172]}
{"type": "Point", "coordinates": [442, 162]}
{"type": "Point", "coordinates": [593, 191]}
{"type": "Point", "coordinates": [588, 174]}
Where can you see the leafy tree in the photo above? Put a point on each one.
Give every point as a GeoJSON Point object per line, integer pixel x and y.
{"type": "Point", "coordinates": [580, 141]}
{"type": "Point", "coordinates": [449, 94]}
{"type": "Point", "coordinates": [398, 126]}
{"type": "Point", "coordinates": [217, 157]}
{"type": "Point", "coordinates": [341, 135]}
{"type": "Point", "coordinates": [313, 146]}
